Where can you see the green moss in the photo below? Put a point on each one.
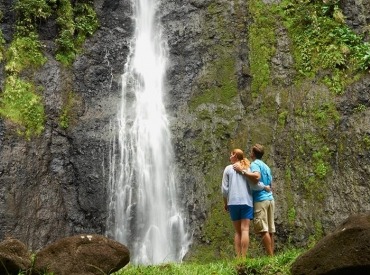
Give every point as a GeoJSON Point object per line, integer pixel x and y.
{"type": "Point", "coordinates": [204, 115]}
{"type": "Point", "coordinates": [291, 215]}
{"type": "Point", "coordinates": [322, 41]}
{"type": "Point", "coordinates": [21, 104]}
{"type": "Point", "coordinates": [20, 101]}
{"type": "Point", "coordinates": [262, 43]}
{"type": "Point", "coordinates": [2, 40]}
{"type": "Point", "coordinates": [366, 141]}
{"type": "Point", "coordinates": [282, 117]}
{"type": "Point", "coordinates": [317, 235]}
{"type": "Point", "coordinates": [29, 14]}
{"type": "Point", "coordinates": [76, 24]}
{"type": "Point", "coordinates": [325, 114]}
{"type": "Point", "coordinates": [86, 21]}
{"type": "Point", "coordinates": [66, 46]}
{"type": "Point", "coordinates": [321, 162]}
{"type": "Point", "coordinates": [312, 165]}
{"type": "Point", "coordinates": [216, 25]}
{"type": "Point", "coordinates": [336, 81]}
{"type": "Point", "coordinates": [25, 55]}
{"type": "Point", "coordinates": [313, 118]}
{"type": "Point", "coordinates": [219, 86]}
{"type": "Point", "coordinates": [288, 189]}
{"type": "Point", "coordinates": [24, 52]}
{"type": "Point", "coordinates": [65, 117]}
{"type": "Point", "coordinates": [360, 108]}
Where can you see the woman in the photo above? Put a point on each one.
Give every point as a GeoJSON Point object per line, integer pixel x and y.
{"type": "Point", "coordinates": [238, 201]}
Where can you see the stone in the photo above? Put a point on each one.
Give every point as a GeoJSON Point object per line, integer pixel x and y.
{"type": "Point", "coordinates": [345, 251]}
{"type": "Point", "coordinates": [83, 255]}
{"type": "Point", "coordinates": [14, 257]}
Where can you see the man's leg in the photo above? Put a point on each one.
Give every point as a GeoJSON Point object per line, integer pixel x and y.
{"type": "Point", "coordinates": [271, 222]}
{"type": "Point", "coordinates": [267, 243]}
{"type": "Point", "coordinates": [272, 243]}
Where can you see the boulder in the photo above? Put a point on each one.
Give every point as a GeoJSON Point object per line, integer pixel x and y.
{"type": "Point", "coordinates": [82, 255]}
{"type": "Point", "coordinates": [14, 257]}
{"type": "Point", "coordinates": [345, 251]}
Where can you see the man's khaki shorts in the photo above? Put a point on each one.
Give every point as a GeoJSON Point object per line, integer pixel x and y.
{"type": "Point", "coordinates": [263, 220]}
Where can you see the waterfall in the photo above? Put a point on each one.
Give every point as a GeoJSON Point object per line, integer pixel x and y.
{"type": "Point", "coordinates": [144, 211]}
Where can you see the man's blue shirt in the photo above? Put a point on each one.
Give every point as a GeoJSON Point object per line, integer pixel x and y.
{"type": "Point", "coordinates": [266, 177]}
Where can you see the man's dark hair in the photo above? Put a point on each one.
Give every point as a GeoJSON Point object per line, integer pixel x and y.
{"type": "Point", "coordinates": [258, 150]}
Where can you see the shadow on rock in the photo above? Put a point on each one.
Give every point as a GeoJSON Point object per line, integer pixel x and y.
{"type": "Point", "coordinates": [345, 251]}
{"type": "Point", "coordinates": [80, 254]}
{"type": "Point", "coordinates": [14, 257]}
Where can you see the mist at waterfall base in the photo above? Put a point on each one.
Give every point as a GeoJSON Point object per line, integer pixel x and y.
{"type": "Point", "coordinates": [144, 210]}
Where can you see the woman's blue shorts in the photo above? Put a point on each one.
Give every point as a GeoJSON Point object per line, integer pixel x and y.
{"type": "Point", "coordinates": [240, 212]}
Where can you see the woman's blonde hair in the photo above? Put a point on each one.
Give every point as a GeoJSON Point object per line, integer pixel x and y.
{"type": "Point", "coordinates": [239, 154]}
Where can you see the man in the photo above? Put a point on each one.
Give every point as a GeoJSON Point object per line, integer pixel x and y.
{"type": "Point", "coordinates": [264, 205]}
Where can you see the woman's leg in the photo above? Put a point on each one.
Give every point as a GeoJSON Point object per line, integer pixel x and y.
{"type": "Point", "coordinates": [244, 242]}
{"type": "Point", "coordinates": [237, 238]}
{"type": "Point", "coordinates": [241, 238]}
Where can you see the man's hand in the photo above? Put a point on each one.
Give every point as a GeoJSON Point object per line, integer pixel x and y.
{"type": "Point", "coordinates": [237, 167]}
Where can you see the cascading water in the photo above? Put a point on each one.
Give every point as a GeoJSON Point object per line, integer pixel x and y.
{"type": "Point", "coordinates": [144, 209]}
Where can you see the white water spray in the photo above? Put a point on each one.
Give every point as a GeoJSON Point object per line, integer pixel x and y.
{"type": "Point", "coordinates": [144, 208]}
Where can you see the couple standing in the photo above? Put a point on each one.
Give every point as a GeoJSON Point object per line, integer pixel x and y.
{"type": "Point", "coordinates": [247, 194]}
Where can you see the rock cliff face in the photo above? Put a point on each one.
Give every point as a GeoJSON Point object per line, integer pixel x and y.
{"type": "Point", "coordinates": [56, 184]}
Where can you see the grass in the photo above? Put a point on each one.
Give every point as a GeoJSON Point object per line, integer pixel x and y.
{"type": "Point", "coordinates": [279, 264]}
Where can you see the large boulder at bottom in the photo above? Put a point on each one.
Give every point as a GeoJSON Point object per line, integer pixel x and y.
{"type": "Point", "coordinates": [14, 257]}
{"type": "Point", "coordinates": [345, 251]}
{"type": "Point", "coordinates": [82, 255]}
